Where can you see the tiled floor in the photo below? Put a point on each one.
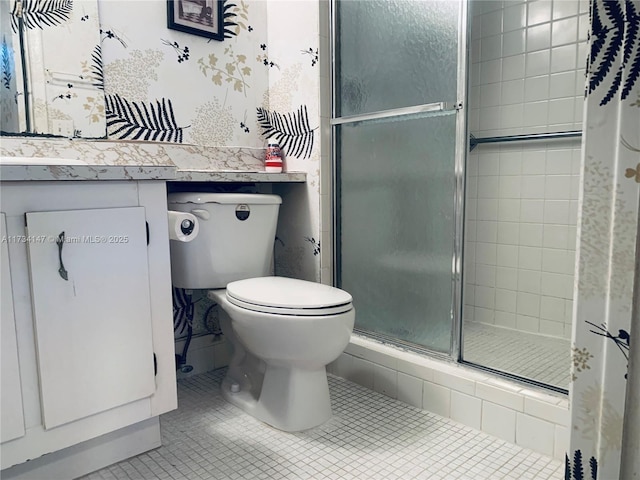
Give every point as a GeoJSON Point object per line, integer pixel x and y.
{"type": "Point", "coordinates": [539, 357]}
{"type": "Point", "coordinates": [370, 436]}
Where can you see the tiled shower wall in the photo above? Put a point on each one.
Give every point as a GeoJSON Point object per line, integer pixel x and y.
{"type": "Point", "coordinates": [526, 76]}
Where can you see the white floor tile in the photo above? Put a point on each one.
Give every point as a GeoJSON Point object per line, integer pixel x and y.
{"type": "Point", "coordinates": [370, 436]}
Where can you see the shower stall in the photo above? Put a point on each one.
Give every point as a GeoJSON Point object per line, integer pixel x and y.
{"type": "Point", "coordinates": [456, 159]}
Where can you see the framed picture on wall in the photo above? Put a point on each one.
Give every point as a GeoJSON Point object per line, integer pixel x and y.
{"type": "Point", "coordinates": [198, 17]}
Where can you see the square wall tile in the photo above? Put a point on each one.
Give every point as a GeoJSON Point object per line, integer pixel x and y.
{"type": "Point", "coordinates": [488, 186]}
{"type": "Point", "coordinates": [513, 43]}
{"type": "Point", "coordinates": [510, 161]}
{"type": "Point", "coordinates": [485, 276]}
{"type": "Point", "coordinates": [552, 308]}
{"type": "Point", "coordinates": [490, 47]}
{"type": "Point", "coordinates": [436, 399]}
{"type": "Point", "coordinates": [538, 11]}
{"type": "Point", "coordinates": [507, 256]}
{"type": "Point", "coordinates": [487, 209]}
{"type": "Point", "coordinates": [561, 110]}
{"type": "Point", "coordinates": [488, 164]}
{"type": "Point", "coordinates": [505, 300]}
{"type": "Point", "coordinates": [529, 281]}
{"type": "Point", "coordinates": [554, 261]}
{"type": "Point", "coordinates": [499, 421]}
{"type": "Point", "coordinates": [466, 409]}
{"type": "Point", "coordinates": [556, 285]}
{"type": "Point", "coordinates": [559, 162]}
{"type": "Point", "coordinates": [513, 68]}
{"type": "Point", "coordinates": [532, 211]}
{"type": "Point", "coordinates": [486, 253]}
{"type": "Point", "coordinates": [539, 37]}
{"type": "Point", "coordinates": [562, 84]}
{"type": "Point", "coordinates": [556, 236]}
{"type": "Point", "coordinates": [534, 433]}
{"type": "Point", "coordinates": [556, 211]}
{"type": "Point", "coordinates": [564, 31]}
{"type": "Point", "coordinates": [484, 315]}
{"type": "Point", "coordinates": [507, 278]}
{"type": "Point", "coordinates": [533, 162]}
{"type": "Point", "coordinates": [514, 17]}
{"type": "Point", "coordinates": [527, 323]}
{"type": "Point", "coordinates": [536, 114]}
{"type": "Point", "coordinates": [536, 88]}
{"type": "Point", "coordinates": [528, 304]}
{"type": "Point", "coordinates": [511, 116]}
{"type": "Point", "coordinates": [564, 58]}
{"type": "Point", "coordinates": [537, 63]}
{"type": "Point", "coordinates": [549, 327]}
{"type": "Point", "coordinates": [531, 234]}
{"type": "Point", "coordinates": [509, 186]}
{"type": "Point", "coordinates": [410, 390]}
{"type": "Point", "coordinates": [485, 297]}
{"type": "Point", "coordinates": [530, 258]}
{"type": "Point", "coordinates": [508, 233]}
{"type": "Point", "coordinates": [491, 23]}
{"type": "Point", "coordinates": [385, 381]}
{"type": "Point", "coordinates": [533, 187]}
{"type": "Point", "coordinates": [491, 71]}
{"type": "Point", "coordinates": [508, 210]}
{"type": "Point", "coordinates": [362, 372]}
{"type": "Point", "coordinates": [505, 319]}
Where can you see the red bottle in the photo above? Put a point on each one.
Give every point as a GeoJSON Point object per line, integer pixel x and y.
{"type": "Point", "coordinates": [273, 159]}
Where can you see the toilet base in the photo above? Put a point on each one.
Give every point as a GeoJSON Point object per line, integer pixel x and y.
{"type": "Point", "coordinates": [291, 399]}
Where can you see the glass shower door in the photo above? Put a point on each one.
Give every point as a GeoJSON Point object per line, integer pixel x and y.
{"type": "Point", "coordinates": [396, 125]}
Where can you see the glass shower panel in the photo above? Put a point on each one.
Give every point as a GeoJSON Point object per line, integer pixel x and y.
{"type": "Point", "coordinates": [395, 53]}
{"type": "Point", "coordinates": [396, 191]}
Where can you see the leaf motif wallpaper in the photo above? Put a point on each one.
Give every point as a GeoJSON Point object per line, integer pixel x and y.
{"type": "Point", "coordinates": [210, 87]}
{"type": "Point", "coordinates": [263, 80]}
{"type": "Point", "coordinates": [63, 64]}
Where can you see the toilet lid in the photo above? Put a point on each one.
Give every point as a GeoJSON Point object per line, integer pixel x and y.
{"type": "Point", "coordinates": [288, 296]}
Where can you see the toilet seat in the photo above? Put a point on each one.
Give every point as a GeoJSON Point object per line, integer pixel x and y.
{"type": "Point", "coordinates": [288, 296]}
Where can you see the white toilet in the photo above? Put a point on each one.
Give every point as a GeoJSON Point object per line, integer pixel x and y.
{"type": "Point", "coordinates": [283, 331]}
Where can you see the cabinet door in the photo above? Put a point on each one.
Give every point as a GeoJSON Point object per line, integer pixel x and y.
{"type": "Point", "coordinates": [91, 305]}
{"type": "Point", "coordinates": [12, 413]}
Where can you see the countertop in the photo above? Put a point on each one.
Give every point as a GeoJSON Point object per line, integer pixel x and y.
{"type": "Point", "coordinates": [15, 173]}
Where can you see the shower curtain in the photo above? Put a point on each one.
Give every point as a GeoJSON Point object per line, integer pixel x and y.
{"type": "Point", "coordinates": [606, 242]}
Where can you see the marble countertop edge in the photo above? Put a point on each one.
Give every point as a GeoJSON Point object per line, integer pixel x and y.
{"type": "Point", "coordinates": [97, 172]}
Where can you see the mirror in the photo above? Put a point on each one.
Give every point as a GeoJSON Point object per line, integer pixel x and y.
{"type": "Point", "coordinates": [51, 69]}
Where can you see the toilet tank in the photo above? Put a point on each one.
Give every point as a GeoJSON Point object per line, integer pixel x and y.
{"type": "Point", "coordinates": [235, 241]}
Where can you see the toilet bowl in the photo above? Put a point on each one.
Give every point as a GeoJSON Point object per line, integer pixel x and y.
{"type": "Point", "coordinates": [281, 346]}
{"type": "Point", "coordinates": [283, 331]}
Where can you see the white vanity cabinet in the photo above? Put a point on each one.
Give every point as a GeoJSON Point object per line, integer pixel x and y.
{"type": "Point", "coordinates": [91, 287]}
{"type": "Point", "coordinates": [91, 308]}
{"type": "Point", "coordinates": [12, 420]}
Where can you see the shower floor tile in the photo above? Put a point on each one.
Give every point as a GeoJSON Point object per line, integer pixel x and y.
{"type": "Point", "coordinates": [370, 436]}
{"type": "Point", "coordinates": [539, 357]}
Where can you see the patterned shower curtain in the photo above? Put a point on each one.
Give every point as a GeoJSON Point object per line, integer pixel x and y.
{"type": "Point", "coordinates": [608, 225]}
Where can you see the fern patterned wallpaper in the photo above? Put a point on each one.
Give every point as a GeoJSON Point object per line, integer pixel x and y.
{"type": "Point", "coordinates": [261, 81]}
{"type": "Point", "coordinates": [206, 91]}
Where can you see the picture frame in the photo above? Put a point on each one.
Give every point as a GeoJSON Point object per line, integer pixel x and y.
{"type": "Point", "coordinates": [197, 17]}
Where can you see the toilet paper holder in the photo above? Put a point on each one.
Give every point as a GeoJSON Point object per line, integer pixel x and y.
{"type": "Point", "coordinates": [183, 226]}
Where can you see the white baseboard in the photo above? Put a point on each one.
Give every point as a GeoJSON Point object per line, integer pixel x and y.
{"type": "Point", "coordinates": [89, 456]}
